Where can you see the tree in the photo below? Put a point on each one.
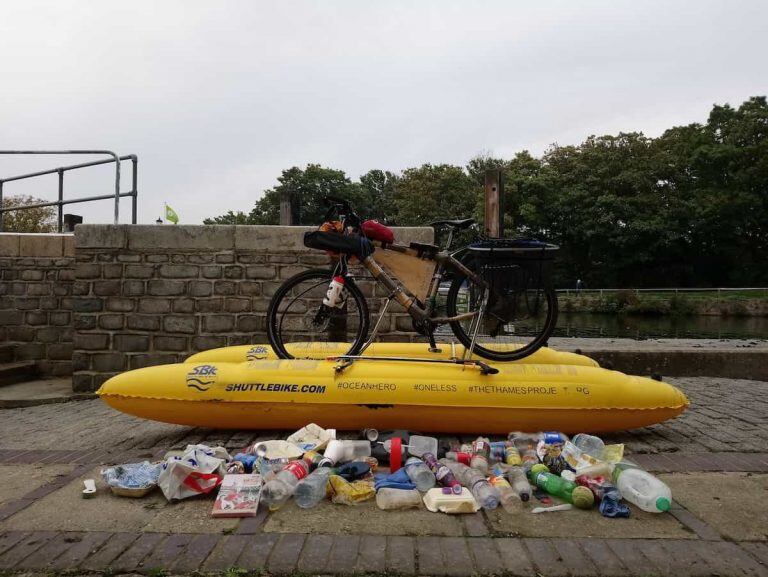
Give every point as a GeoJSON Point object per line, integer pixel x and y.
{"type": "Point", "coordinates": [30, 220]}
{"type": "Point", "coordinates": [378, 189]}
{"type": "Point", "coordinates": [433, 192]}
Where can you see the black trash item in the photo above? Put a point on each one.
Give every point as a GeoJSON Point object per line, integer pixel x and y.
{"type": "Point", "coordinates": [350, 244]}
{"type": "Point", "coordinates": [353, 471]}
{"type": "Point", "coordinates": [611, 505]}
{"type": "Point", "coordinates": [381, 454]}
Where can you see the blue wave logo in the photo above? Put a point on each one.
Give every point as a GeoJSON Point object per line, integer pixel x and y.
{"type": "Point", "coordinates": [201, 378]}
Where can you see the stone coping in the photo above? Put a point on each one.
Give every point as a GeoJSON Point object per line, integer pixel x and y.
{"type": "Point", "coordinates": [13, 244]}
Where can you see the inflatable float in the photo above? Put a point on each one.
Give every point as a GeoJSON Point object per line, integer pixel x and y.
{"type": "Point", "coordinates": [239, 354]}
{"type": "Point", "coordinates": [384, 394]}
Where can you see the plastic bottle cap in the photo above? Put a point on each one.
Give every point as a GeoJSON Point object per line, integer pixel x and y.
{"type": "Point", "coordinates": [663, 504]}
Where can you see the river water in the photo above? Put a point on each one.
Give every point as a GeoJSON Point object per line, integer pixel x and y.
{"type": "Point", "coordinates": [660, 326]}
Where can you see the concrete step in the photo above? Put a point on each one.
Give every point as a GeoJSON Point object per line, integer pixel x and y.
{"type": "Point", "coordinates": [18, 372]}
{"type": "Point", "coordinates": [40, 392]}
{"type": "Point", "coordinates": [7, 353]}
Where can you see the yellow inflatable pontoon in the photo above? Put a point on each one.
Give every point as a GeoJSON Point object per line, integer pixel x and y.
{"type": "Point", "coordinates": [239, 354]}
{"type": "Point", "coordinates": [288, 394]}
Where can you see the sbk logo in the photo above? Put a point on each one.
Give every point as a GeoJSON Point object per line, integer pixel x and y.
{"type": "Point", "coordinates": [256, 353]}
{"type": "Point", "coordinates": [201, 378]}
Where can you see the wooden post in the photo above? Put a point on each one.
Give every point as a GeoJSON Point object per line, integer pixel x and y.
{"type": "Point", "coordinates": [286, 214]}
{"type": "Point", "coordinates": [494, 204]}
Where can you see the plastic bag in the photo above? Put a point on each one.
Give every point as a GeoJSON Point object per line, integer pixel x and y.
{"type": "Point", "coordinates": [345, 493]}
{"type": "Point", "coordinates": [197, 472]}
{"type": "Point", "coordinates": [132, 476]}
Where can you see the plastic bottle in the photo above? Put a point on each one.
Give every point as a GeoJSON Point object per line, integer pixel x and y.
{"type": "Point", "coordinates": [345, 451]}
{"type": "Point", "coordinates": [388, 499]}
{"type": "Point", "coordinates": [642, 489]}
{"type": "Point", "coordinates": [511, 454]}
{"type": "Point", "coordinates": [459, 457]}
{"type": "Point", "coordinates": [334, 296]}
{"type": "Point", "coordinates": [443, 474]}
{"type": "Point", "coordinates": [589, 444]}
{"type": "Point", "coordinates": [419, 445]}
{"type": "Point", "coordinates": [419, 474]}
{"type": "Point", "coordinates": [484, 493]}
{"type": "Point", "coordinates": [509, 499]}
{"type": "Point", "coordinates": [526, 444]}
{"type": "Point", "coordinates": [481, 450]}
{"type": "Point", "coordinates": [565, 490]}
{"type": "Point", "coordinates": [599, 470]}
{"type": "Point", "coordinates": [498, 451]}
{"type": "Point", "coordinates": [313, 488]}
{"type": "Point", "coordinates": [278, 490]}
{"type": "Point", "coordinates": [519, 483]}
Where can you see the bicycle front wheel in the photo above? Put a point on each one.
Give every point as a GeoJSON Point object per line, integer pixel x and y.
{"type": "Point", "coordinates": [300, 326]}
{"type": "Point", "coordinates": [513, 324]}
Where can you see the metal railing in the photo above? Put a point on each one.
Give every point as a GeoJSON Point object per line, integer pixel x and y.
{"type": "Point", "coordinates": [637, 291]}
{"type": "Point", "coordinates": [133, 193]}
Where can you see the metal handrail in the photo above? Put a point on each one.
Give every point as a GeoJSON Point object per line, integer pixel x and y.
{"type": "Point", "coordinates": [61, 170]}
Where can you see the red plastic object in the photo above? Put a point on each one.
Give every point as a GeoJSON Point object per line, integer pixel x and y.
{"type": "Point", "coordinates": [374, 230]}
{"type": "Point", "coordinates": [396, 454]}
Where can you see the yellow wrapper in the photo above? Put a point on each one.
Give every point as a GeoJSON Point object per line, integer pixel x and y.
{"type": "Point", "coordinates": [345, 493]}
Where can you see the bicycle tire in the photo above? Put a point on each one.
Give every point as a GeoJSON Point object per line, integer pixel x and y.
{"type": "Point", "coordinates": [513, 355]}
{"type": "Point", "coordinates": [274, 332]}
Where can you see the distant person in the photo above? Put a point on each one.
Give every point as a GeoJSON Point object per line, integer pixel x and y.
{"type": "Point", "coordinates": [579, 286]}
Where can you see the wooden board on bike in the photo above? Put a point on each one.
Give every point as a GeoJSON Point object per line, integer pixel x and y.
{"type": "Point", "coordinates": [405, 265]}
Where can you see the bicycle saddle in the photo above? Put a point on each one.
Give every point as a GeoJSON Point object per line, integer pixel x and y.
{"type": "Point", "coordinates": [460, 224]}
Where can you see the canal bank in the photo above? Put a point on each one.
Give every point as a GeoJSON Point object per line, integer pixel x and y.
{"type": "Point", "coordinates": [733, 359]}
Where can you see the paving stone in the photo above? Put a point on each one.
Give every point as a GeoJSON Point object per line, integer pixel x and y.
{"type": "Point", "coordinates": [16, 555]}
{"type": "Point", "coordinates": [687, 557]}
{"type": "Point", "coordinates": [9, 538]}
{"type": "Point", "coordinates": [372, 554]}
{"type": "Point", "coordinates": [314, 555]}
{"type": "Point", "coordinates": [602, 556]}
{"type": "Point", "coordinates": [630, 553]}
{"type": "Point", "coordinates": [343, 555]}
{"type": "Point", "coordinates": [48, 553]}
{"type": "Point", "coordinates": [730, 559]}
{"type": "Point", "coordinates": [456, 557]}
{"type": "Point", "coordinates": [514, 557]}
{"type": "Point", "coordinates": [226, 552]}
{"type": "Point", "coordinates": [133, 557]}
{"type": "Point", "coordinates": [667, 564]}
{"type": "Point", "coordinates": [115, 545]}
{"type": "Point", "coordinates": [400, 555]}
{"type": "Point", "coordinates": [77, 552]}
{"type": "Point", "coordinates": [250, 525]}
{"type": "Point", "coordinates": [546, 558]}
{"type": "Point", "coordinates": [256, 551]}
{"type": "Point", "coordinates": [486, 555]}
{"type": "Point", "coordinates": [577, 561]}
{"type": "Point", "coordinates": [430, 556]}
{"type": "Point", "coordinates": [475, 525]}
{"type": "Point", "coordinates": [168, 551]}
{"type": "Point", "coordinates": [758, 550]}
{"type": "Point", "coordinates": [285, 552]}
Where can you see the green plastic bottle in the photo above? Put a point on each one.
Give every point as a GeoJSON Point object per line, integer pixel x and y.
{"type": "Point", "coordinates": [566, 490]}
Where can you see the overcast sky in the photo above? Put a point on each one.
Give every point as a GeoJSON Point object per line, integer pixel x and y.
{"type": "Point", "coordinates": [217, 97]}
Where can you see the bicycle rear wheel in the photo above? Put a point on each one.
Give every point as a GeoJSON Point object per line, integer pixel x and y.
{"type": "Point", "coordinates": [299, 324]}
{"type": "Point", "coordinates": [514, 324]}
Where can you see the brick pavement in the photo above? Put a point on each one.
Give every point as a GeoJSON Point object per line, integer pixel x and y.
{"type": "Point", "coordinates": [725, 430]}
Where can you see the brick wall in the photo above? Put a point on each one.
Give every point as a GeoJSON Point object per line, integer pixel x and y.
{"type": "Point", "coordinates": [148, 295]}
{"type": "Point", "coordinates": [36, 279]}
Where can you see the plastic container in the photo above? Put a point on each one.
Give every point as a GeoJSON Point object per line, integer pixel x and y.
{"type": "Point", "coordinates": [519, 483]}
{"type": "Point", "coordinates": [418, 445]}
{"type": "Point", "coordinates": [437, 500]}
{"type": "Point", "coordinates": [277, 491]}
{"type": "Point", "coordinates": [481, 450]}
{"type": "Point", "coordinates": [510, 501]}
{"type": "Point", "coordinates": [313, 488]}
{"type": "Point", "coordinates": [390, 499]}
{"type": "Point", "coordinates": [483, 492]}
{"type": "Point", "coordinates": [599, 470]}
{"type": "Point", "coordinates": [589, 444]}
{"type": "Point", "coordinates": [566, 490]}
{"type": "Point", "coordinates": [419, 473]}
{"type": "Point", "coordinates": [642, 489]}
{"type": "Point", "coordinates": [459, 457]}
{"type": "Point", "coordinates": [345, 451]}
{"type": "Point", "coordinates": [443, 475]}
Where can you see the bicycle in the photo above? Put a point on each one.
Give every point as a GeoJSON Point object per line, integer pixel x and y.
{"type": "Point", "coordinates": [499, 303]}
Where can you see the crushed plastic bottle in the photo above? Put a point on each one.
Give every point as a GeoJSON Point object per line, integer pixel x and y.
{"type": "Point", "coordinates": [641, 488]}
{"type": "Point", "coordinates": [419, 474]}
{"type": "Point", "coordinates": [313, 488]}
{"type": "Point", "coordinates": [278, 490]}
{"type": "Point", "coordinates": [484, 493]}
{"type": "Point", "coordinates": [389, 499]}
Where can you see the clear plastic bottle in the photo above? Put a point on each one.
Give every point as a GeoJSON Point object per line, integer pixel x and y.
{"type": "Point", "coordinates": [388, 498]}
{"type": "Point", "coordinates": [519, 483]}
{"type": "Point", "coordinates": [481, 450]}
{"type": "Point", "coordinates": [278, 490]}
{"type": "Point", "coordinates": [459, 456]}
{"type": "Point", "coordinates": [589, 444]}
{"type": "Point", "coordinates": [642, 489]}
{"type": "Point", "coordinates": [526, 444]}
{"type": "Point", "coordinates": [509, 499]}
{"type": "Point", "coordinates": [484, 493]}
{"type": "Point", "coordinates": [419, 474]}
{"type": "Point", "coordinates": [313, 488]}
{"type": "Point", "coordinates": [511, 454]}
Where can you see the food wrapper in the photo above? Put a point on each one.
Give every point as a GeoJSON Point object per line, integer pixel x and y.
{"type": "Point", "coordinates": [345, 493]}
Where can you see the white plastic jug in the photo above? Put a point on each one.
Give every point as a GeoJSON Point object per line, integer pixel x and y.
{"type": "Point", "coordinates": [642, 489]}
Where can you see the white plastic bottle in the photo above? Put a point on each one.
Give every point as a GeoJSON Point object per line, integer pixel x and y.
{"type": "Point", "coordinates": [334, 296]}
{"type": "Point", "coordinates": [642, 489]}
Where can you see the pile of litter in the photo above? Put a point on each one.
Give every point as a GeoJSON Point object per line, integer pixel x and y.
{"type": "Point", "coordinates": [402, 470]}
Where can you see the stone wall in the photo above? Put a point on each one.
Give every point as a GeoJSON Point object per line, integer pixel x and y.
{"type": "Point", "coordinates": [149, 295]}
{"type": "Point", "coordinates": [36, 278]}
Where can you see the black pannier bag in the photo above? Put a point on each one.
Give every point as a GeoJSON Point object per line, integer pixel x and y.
{"type": "Point", "coordinates": [518, 271]}
{"type": "Point", "coordinates": [350, 244]}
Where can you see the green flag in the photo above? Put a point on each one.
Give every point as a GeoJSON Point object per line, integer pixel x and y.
{"type": "Point", "coordinates": [170, 215]}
